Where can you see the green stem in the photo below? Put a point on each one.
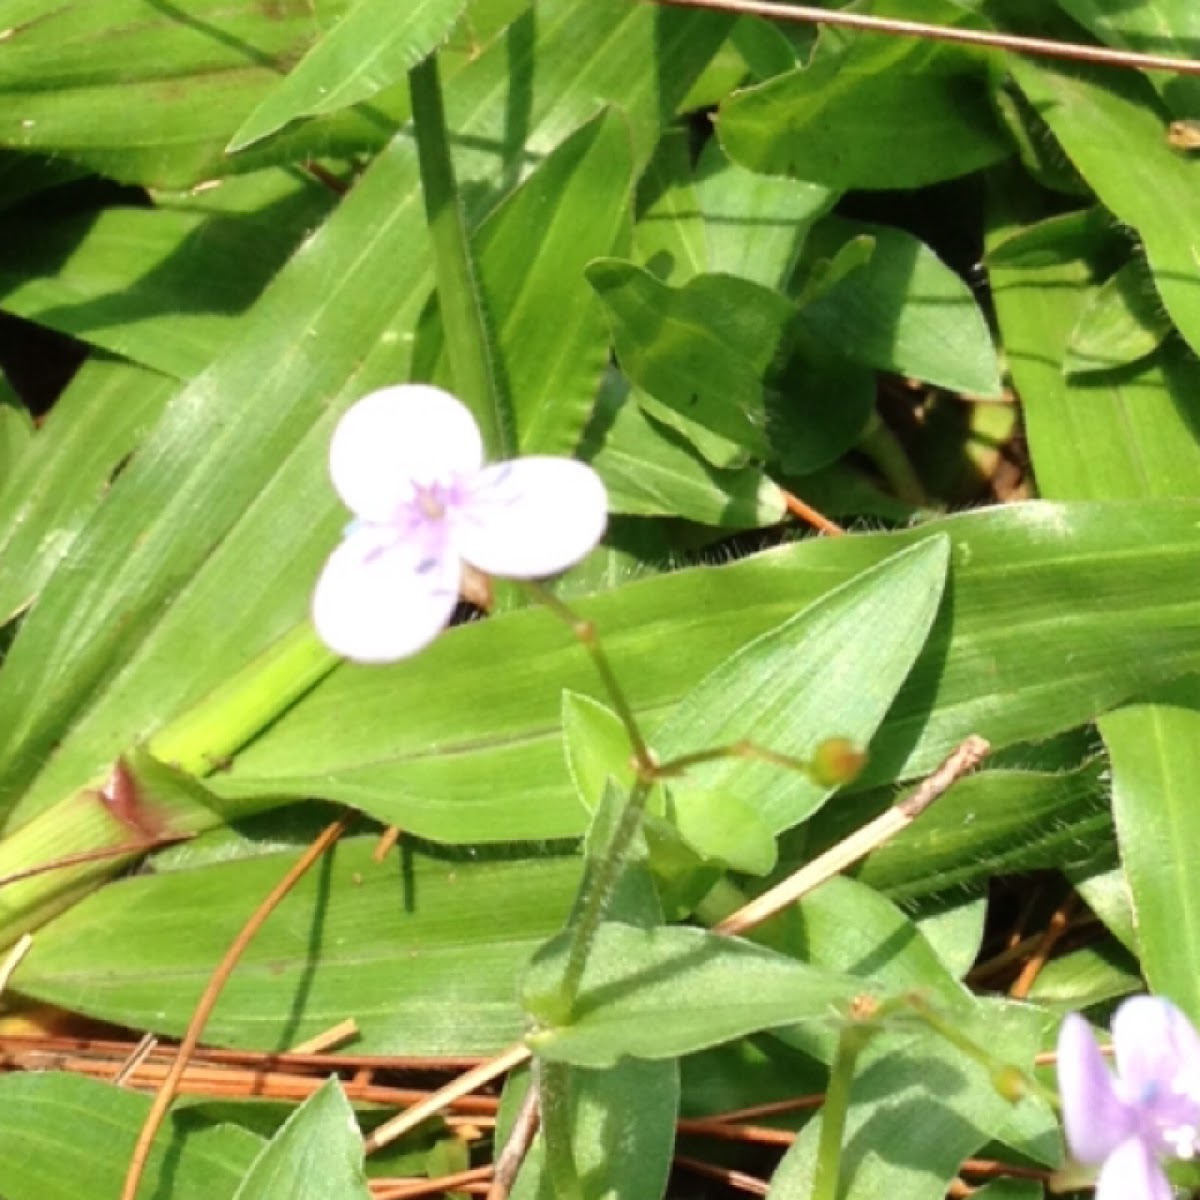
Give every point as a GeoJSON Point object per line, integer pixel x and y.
{"type": "Point", "coordinates": [585, 631]}
{"type": "Point", "coordinates": [883, 448]}
{"type": "Point", "coordinates": [747, 750]}
{"type": "Point", "coordinates": [460, 301]}
{"type": "Point", "coordinates": [91, 823]}
{"type": "Point", "coordinates": [827, 1181]}
{"type": "Point", "coordinates": [1004, 1074]}
{"type": "Point", "coordinates": [597, 893]}
{"type": "Point", "coordinates": [554, 1102]}
{"type": "Point", "coordinates": [201, 740]}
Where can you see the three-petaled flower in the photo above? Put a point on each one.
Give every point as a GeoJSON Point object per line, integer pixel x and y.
{"type": "Point", "coordinates": [1149, 1111]}
{"type": "Point", "coordinates": [408, 463]}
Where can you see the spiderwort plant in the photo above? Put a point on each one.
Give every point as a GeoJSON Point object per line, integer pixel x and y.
{"type": "Point", "coordinates": [408, 463]}
{"type": "Point", "coordinates": [1148, 1112]}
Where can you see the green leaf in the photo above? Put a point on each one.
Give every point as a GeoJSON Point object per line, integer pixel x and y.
{"type": "Point", "coordinates": [552, 337]}
{"type": "Point", "coordinates": [493, 770]}
{"type": "Point", "coordinates": [65, 471]}
{"type": "Point", "coordinates": [622, 1133]}
{"type": "Point", "coordinates": [704, 349]}
{"type": "Point", "coordinates": [669, 235]}
{"type": "Point", "coordinates": [650, 470]}
{"type": "Point", "coordinates": [1089, 977]}
{"type": "Point", "coordinates": [754, 225]}
{"type": "Point", "coordinates": [1122, 322]}
{"type": "Point", "coordinates": [1105, 120]}
{"type": "Point", "coordinates": [1155, 753]}
{"type": "Point", "coordinates": [318, 1154]}
{"type": "Point", "coordinates": [226, 509]}
{"type": "Point", "coordinates": [715, 988]}
{"type": "Point", "coordinates": [904, 311]}
{"type": "Point", "coordinates": [723, 828]}
{"type": "Point", "coordinates": [65, 1136]}
{"type": "Point", "coordinates": [369, 48]}
{"type": "Point", "coordinates": [1128, 433]}
{"type": "Point", "coordinates": [423, 953]}
{"type": "Point", "coordinates": [16, 431]}
{"type": "Point", "coordinates": [824, 407]}
{"type": "Point", "coordinates": [869, 113]}
{"type": "Point", "coordinates": [597, 748]}
{"type": "Point", "coordinates": [152, 96]}
{"type": "Point", "coordinates": [919, 1107]}
{"type": "Point", "coordinates": [164, 288]}
{"type": "Point", "coordinates": [832, 670]}
{"type": "Point", "coordinates": [994, 823]}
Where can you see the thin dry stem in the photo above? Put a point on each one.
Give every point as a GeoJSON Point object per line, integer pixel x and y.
{"type": "Point", "coordinates": [1059, 923]}
{"type": "Point", "coordinates": [387, 839]}
{"type": "Point", "coordinates": [12, 960]}
{"type": "Point", "coordinates": [410, 1118]}
{"type": "Point", "coordinates": [739, 1180]}
{"type": "Point", "coordinates": [336, 1035]}
{"type": "Point", "coordinates": [141, 1052]}
{"type": "Point", "coordinates": [520, 1138]}
{"type": "Point", "coordinates": [860, 843]}
{"type": "Point", "coordinates": [141, 846]}
{"type": "Point", "coordinates": [162, 1101]}
{"type": "Point", "coordinates": [410, 1189]}
{"type": "Point", "coordinates": [806, 512]}
{"type": "Point", "coordinates": [1019, 44]}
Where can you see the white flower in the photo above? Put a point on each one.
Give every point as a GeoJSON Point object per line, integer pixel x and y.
{"type": "Point", "coordinates": [408, 462]}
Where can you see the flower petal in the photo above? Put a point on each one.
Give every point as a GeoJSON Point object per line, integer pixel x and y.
{"type": "Point", "coordinates": [396, 437]}
{"type": "Point", "coordinates": [1096, 1119]}
{"type": "Point", "coordinates": [1155, 1045]}
{"type": "Point", "coordinates": [378, 601]}
{"type": "Point", "coordinates": [531, 517]}
{"type": "Point", "coordinates": [1131, 1172]}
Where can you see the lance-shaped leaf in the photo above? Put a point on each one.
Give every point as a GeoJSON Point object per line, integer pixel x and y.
{"type": "Point", "coordinates": [1155, 751]}
{"type": "Point", "coordinates": [494, 770]}
{"type": "Point", "coordinates": [650, 470]}
{"type": "Point", "coordinates": [318, 1153]}
{"type": "Point", "coordinates": [715, 989]}
{"type": "Point", "coordinates": [423, 953]}
{"type": "Point", "coordinates": [227, 510]}
{"type": "Point", "coordinates": [622, 1130]}
{"type": "Point", "coordinates": [1105, 120]}
{"type": "Point", "coordinates": [368, 49]}
{"type": "Point", "coordinates": [832, 670]}
{"type": "Point", "coordinates": [193, 1162]}
{"type": "Point", "coordinates": [869, 113]}
{"type": "Point", "coordinates": [903, 311]}
{"type": "Point", "coordinates": [705, 349]}
{"type": "Point", "coordinates": [65, 471]}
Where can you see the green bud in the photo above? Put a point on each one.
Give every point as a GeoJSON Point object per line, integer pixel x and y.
{"type": "Point", "coordinates": [836, 761]}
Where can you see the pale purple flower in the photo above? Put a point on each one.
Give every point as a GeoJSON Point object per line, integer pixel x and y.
{"type": "Point", "coordinates": [1149, 1111]}
{"type": "Point", "coordinates": [408, 462]}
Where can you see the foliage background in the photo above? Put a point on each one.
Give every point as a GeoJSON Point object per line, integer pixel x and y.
{"type": "Point", "coordinates": [948, 296]}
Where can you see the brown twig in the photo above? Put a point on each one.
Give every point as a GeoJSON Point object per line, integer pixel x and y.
{"type": "Point", "coordinates": [1018, 43]}
{"type": "Point", "coordinates": [860, 843]}
{"type": "Point", "coordinates": [336, 1035]}
{"type": "Point", "coordinates": [13, 1045]}
{"type": "Point", "coordinates": [387, 839]}
{"type": "Point", "coordinates": [1059, 923]}
{"type": "Point", "coordinates": [142, 846]}
{"type": "Point", "coordinates": [410, 1189]}
{"type": "Point", "coordinates": [520, 1138]}
{"type": "Point", "coordinates": [140, 1053]}
{"type": "Point", "coordinates": [806, 512]}
{"type": "Point", "coordinates": [400, 1124]}
{"type": "Point", "coordinates": [162, 1101]}
{"type": "Point", "coordinates": [750, 1184]}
